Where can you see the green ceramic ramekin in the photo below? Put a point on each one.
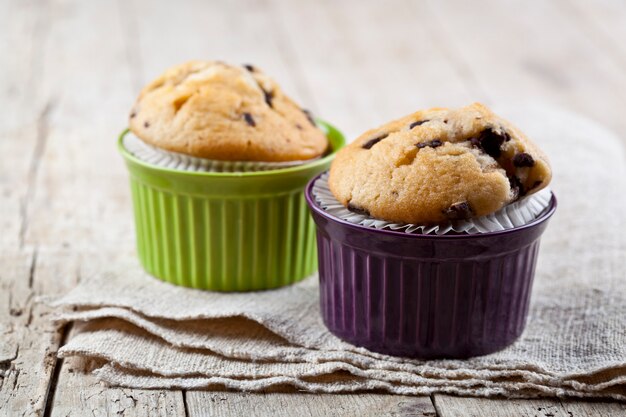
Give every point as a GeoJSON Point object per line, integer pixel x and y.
{"type": "Point", "coordinates": [226, 231]}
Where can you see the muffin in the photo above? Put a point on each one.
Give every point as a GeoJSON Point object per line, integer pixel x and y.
{"type": "Point", "coordinates": [438, 165]}
{"type": "Point", "coordinates": [218, 111]}
{"type": "Point", "coordinates": [405, 291]}
{"type": "Point", "coordinates": [235, 218]}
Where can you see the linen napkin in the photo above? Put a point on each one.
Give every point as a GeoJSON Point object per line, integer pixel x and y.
{"type": "Point", "coordinates": [144, 333]}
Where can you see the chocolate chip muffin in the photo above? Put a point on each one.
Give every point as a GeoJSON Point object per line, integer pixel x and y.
{"type": "Point", "coordinates": [224, 112]}
{"type": "Point", "coordinates": [438, 165]}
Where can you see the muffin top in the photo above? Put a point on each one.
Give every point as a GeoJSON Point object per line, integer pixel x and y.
{"type": "Point", "coordinates": [224, 112]}
{"type": "Point", "coordinates": [438, 165]}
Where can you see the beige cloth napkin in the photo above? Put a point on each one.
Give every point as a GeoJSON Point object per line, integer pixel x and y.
{"type": "Point", "coordinates": [148, 334]}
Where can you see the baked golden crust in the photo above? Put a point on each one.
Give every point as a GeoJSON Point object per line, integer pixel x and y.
{"type": "Point", "coordinates": [218, 111]}
{"type": "Point", "coordinates": [438, 165]}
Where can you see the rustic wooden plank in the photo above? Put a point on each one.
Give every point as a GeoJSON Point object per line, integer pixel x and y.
{"type": "Point", "coordinates": [81, 206]}
{"type": "Point", "coordinates": [23, 24]}
{"type": "Point", "coordinates": [223, 404]}
{"type": "Point", "coordinates": [27, 344]}
{"type": "Point", "coordinates": [449, 406]}
{"type": "Point", "coordinates": [14, 302]}
{"type": "Point", "coordinates": [23, 29]}
{"type": "Point", "coordinates": [25, 386]}
{"type": "Point", "coordinates": [34, 338]}
{"type": "Point", "coordinates": [522, 52]}
{"type": "Point", "coordinates": [82, 195]}
{"type": "Point", "coordinates": [80, 394]}
{"type": "Point", "coordinates": [47, 201]}
{"type": "Point", "coordinates": [593, 409]}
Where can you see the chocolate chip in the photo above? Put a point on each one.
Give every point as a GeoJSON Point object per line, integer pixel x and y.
{"type": "Point", "coordinates": [249, 67]}
{"type": "Point", "coordinates": [298, 126]}
{"type": "Point", "coordinates": [358, 210]}
{"type": "Point", "coordinates": [268, 97]}
{"type": "Point", "coordinates": [309, 116]}
{"type": "Point", "coordinates": [523, 160]}
{"type": "Point", "coordinates": [490, 142]}
{"type": "Point", "coordinates": [536, 184]}
{"type": "Point", "coordinates": [516, 186]}
{"type": "Point", "coordinates": [133, 114]}
{"type": "Point", "coordinates": [146, 124]}
{"type": "Point", "coordinates": [419, 122]}
{"type": "Point", "coordinates": [374, 141]}
{"type": "Point", "coordinates": [459, 211]}
{"type": "Point", "coordinates": [431, 143]}
{"type": "Point", "coordinates": [248, 118]}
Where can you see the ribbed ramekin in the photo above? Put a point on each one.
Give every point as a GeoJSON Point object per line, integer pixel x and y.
{"type": "Point", "coordinates": [425, 296]}
{"type": "Point", "coordinates": [225, 231]}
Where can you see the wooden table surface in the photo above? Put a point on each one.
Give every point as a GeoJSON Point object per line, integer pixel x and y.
{"type": "Point", "coordinates": [70, 70]}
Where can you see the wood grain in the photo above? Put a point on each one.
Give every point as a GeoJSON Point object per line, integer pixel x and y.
{"type": "Point", "coordinates": [521, 52]}
{"type": "Point", "coordinates": [82, 204]}
{"type": "Point", "coordinates": [27, 339]}
{"type": "Point", "coordinates": [449, 406]}
{"type": "Point", "coordinates": [79, 394]}
{"type": "Point", "coordinates": [61, 148]}
{"type": "Point", "coordinates": [226, 404]}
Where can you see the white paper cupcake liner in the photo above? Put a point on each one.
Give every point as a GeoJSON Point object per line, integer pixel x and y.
{"type": "Point", "coordinates": [513, 215]}
{"type": "Point", "coordinates": [174, 160]}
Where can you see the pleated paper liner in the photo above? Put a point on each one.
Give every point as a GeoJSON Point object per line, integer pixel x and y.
{"type": "Point", "coordinates": [174, 160]}
{"type": "Point", "coordinates": [224, 231]}
{"type": "Point", "coordinates": [513, 215]}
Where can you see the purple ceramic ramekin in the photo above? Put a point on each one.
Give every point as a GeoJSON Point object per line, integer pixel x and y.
{"type": "Point", "coordinates": [425, 296]}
